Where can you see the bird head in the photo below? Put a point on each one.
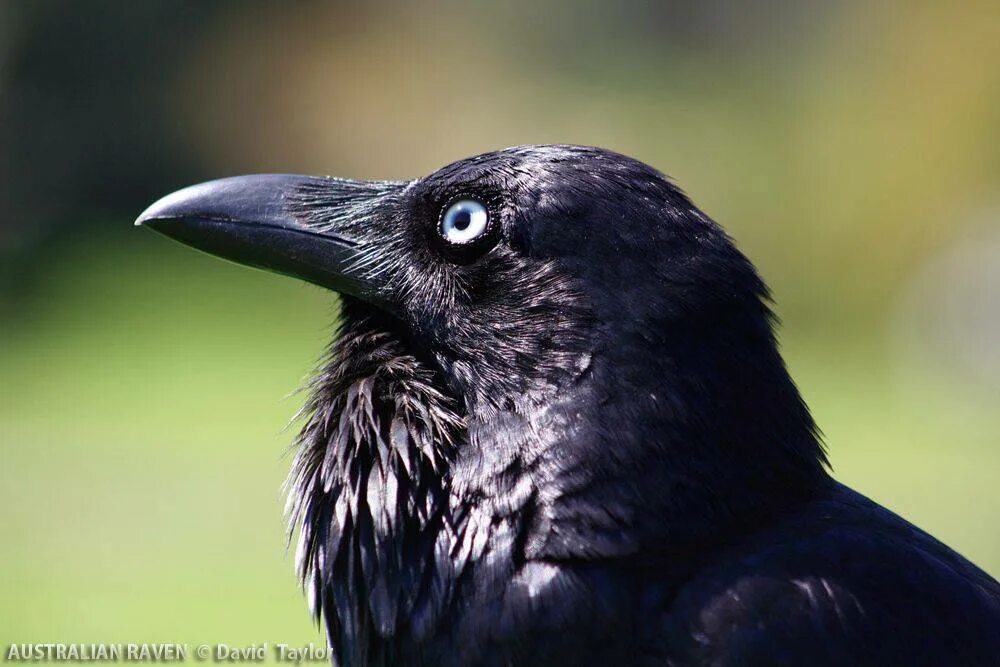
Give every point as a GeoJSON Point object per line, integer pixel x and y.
{"type": "Point", "coordinates": [580, 313]}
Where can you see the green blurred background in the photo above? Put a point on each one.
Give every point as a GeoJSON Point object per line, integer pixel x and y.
{"type": "Point", "coordinates": [852, 149]}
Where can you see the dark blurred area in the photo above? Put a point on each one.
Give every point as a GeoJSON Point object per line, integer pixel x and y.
{"type": "Point", "coordinates": [852, 149]}
{"type": "Point", "coordinates": [87, 129]}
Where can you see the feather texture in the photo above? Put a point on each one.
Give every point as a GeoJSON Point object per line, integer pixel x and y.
{"type": "Point", "coordinates": [368, 490]}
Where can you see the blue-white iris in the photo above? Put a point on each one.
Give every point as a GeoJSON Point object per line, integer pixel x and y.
{"type": "Point", "coordinates": [464, 221]}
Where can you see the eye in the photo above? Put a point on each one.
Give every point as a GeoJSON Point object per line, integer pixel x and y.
{"type": "Point", "coordinates": [464, 222]}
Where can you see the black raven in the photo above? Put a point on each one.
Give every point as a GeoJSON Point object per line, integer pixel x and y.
{"type": "Point", "coordinates": [555, 429]}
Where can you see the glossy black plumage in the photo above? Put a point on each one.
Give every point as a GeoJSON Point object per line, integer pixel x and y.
{"type": "Point", "coordinates": [572, 441]}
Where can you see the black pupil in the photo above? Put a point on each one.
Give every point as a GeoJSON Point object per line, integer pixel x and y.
{"type": "Point", "coordinates": [462, 220]}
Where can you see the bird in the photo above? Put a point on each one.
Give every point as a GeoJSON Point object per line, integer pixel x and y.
{"type": "Point", "coordinates": [554, 427]}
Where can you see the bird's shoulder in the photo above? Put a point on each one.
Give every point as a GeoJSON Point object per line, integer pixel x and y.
{"type": "Point", "coordinates": [841, 581]}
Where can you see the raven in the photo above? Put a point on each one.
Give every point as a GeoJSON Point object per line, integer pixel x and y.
{"type": "Point", "coordinates": [555, 428]}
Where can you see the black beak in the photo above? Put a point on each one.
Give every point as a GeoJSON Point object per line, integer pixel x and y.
{"type": "Point", "coordinates": [269, 221]}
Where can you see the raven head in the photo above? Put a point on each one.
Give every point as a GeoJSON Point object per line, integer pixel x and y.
{"type": "Point", "coordinates": [553, 337]}
{"type": "Point", "coordinates": [506, 270]}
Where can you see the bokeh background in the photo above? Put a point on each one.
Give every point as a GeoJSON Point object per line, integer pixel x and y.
{"type": "Point", "coordinates": [852, 148]}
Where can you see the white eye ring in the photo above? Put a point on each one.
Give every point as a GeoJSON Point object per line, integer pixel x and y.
{"type": "Point", "coordinates": [464, 221]}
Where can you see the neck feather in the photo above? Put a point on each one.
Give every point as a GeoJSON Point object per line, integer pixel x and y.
{"type": "Point", "coordinates": [368, 489]}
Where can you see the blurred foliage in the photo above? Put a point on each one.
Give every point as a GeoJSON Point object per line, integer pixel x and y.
{"type": "Point", "coordinates": [847, 146]}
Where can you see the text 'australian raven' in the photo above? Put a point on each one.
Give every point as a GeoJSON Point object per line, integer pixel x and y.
{"type": "Point", "coordinates": [554, 429]}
